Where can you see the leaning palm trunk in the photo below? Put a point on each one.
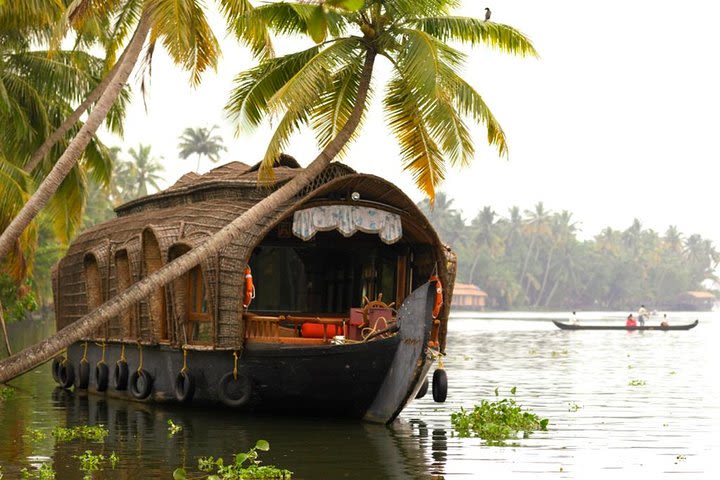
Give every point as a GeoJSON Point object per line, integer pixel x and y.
{"type": "Point", "coordinates": [42, 352]}
{"type": "Point", "coordinates": [74, 151]}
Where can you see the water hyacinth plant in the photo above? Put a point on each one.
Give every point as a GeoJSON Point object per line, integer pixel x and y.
{"type": "Point", "coordinates": [498, 421]}
{"type": "Point", "coordinates": [245, 466]}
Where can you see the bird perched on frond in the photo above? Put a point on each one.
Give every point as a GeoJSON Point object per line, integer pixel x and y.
{"type": "Point", "coordinates": [487, 14]}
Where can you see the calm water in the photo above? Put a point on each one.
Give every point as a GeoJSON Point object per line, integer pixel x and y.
{"type": "Point", "coordinates": [667, 427]}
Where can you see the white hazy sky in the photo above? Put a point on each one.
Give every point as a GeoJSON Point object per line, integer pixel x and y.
{"type": "Point", "coordinates": [617, 119]}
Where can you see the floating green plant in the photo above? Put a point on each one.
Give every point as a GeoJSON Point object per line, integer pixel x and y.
{"type": "Point", "coordinates": [6, 393]}
{"type": "Point", "coordinates": [93, 433]}
{"type": "Point", "coordinates": [45, 472]}
{"type": "Point", "coordinates": [91, 462]}
{"type": "Point", "coordinates": [636, 383]}
{"type": "Point", "coordinates": [35, 435]}
{"type": "Point", "coordinates": [573, 407]}
{"type": "Point", "coordinates": [173, 428]}
{"type": "Point", "coordinates": [245, 466]}
{"type": "Point", "coordinates": [496, 422]}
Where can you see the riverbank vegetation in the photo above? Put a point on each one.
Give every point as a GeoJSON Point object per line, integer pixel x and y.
{"type": "Point", "coordinates": [535, 259]}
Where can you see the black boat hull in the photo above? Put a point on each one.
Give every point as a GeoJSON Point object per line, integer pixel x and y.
{"type": "Point", "coordinates": [567, 326]}
{"type": "Point", "coordinates": [325, 380]}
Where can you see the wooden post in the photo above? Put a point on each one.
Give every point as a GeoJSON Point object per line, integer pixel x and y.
{"type": "Point", "coordinates": [5, 334]}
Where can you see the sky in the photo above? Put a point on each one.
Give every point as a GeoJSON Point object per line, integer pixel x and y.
{"type": "Point", "coordinates": [617, 119]}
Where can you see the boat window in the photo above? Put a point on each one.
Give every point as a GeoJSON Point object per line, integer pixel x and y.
{"type": "Point", "coordinates": [327, 276]}
{"type": "Point", "coordinates": [199, 320]}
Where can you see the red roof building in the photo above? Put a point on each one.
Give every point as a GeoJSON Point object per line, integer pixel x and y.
{"type": "Point", "coordinates": [467, 296]}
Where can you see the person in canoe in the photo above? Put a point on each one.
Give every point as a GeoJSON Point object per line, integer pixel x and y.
{"type": "Point", "coordinates": [630, 321]}
{"type": "Point", "coordinates": [573, 319]}
{"type": "Point", "coordinates": [642, 315]}
{"type": "Point", "coordinates": [664, 323]}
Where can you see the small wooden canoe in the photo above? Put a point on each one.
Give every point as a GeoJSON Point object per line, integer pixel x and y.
{"type": "Point", "coordinates": [578, 326]}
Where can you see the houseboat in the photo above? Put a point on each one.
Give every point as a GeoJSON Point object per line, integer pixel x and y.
{"type": "Point", "coordinates": [331, 305]}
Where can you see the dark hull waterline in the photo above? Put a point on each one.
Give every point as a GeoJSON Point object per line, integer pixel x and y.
{"type": "Point", "coordinates": [568, 326]}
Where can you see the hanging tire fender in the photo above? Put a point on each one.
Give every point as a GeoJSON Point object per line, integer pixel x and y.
{"type": "Point", "coordinates": [184, 387]}
{"type": "Point", "coordinates": [66, 375]}
{"type": "Point", "coordinates": [102, 376]}
{"type": "Point", "coordinates": [83, 376]}
{"type": "Point", "coordinates": [141, 383]}
{"type": "Point", "coordinates": [439, 385]}
{"type": "Point", "coordinates": [234, 392]}
{"type": "Point", "coordinates": [120, 376]}
{"type": "Point", "coordinates": [55, 368]}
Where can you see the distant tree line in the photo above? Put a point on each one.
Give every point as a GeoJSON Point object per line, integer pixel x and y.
{"type": "Point", "coordinates": [533, 259]}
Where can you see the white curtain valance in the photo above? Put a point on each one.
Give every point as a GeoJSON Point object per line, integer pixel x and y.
{"type": "Point", "coordinates": [347, 219]}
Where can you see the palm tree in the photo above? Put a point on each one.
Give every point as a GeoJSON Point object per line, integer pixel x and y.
{"type": "Point", "coordinates": [201, 142]}
{"type": "Point", "coordinates": [181, 27]}
{"type": "Point", "coordinates": [327, 87]}
{"type": "Point", "coordinates": [37, 90]}
{"type": "Point", "coordinates": [144, 169]}
{"type": "Point", "coordinates": [536, 226]}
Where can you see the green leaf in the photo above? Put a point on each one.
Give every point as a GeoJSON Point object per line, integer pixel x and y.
{"type": "Point", "coordinates": [213, 477]}
{"type": "Point", "coordinates": [240, 458]}
{"type": "Point", "coordinates": [262, 445]}
{"type": "Point", "coordinates": [496, 391]}
{"type": "Point", "coordinates": [544, 423]}
{"type": "Point", "coordinates": [179, 474]}
{"type": "Point", "coordinates": [513, 390]}
{"type": "Point", "coordinates": [317, 25]}
{"type": "Point", "coordinates": [348, 5]}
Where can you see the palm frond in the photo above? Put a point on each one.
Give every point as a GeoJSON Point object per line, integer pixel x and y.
{"type": "Point", "coordinates": [183, 29]}
{"type": "Point", "coordinates": [253, 88]}
{"type": "Point", "coordinates": [313, 78]}
{"type": "Point", "coordinates": [419, 152]}
{"type": "Point", "coordinates": [470, 103]}
{"type": "Point", "coordinates": [475, 31]}
{"type": "Point", "coordinates": [67, 205]}
{"type": "Point", "coordinates": [336, 104]}
{"type": "Point", "coordinates": [408, 9]}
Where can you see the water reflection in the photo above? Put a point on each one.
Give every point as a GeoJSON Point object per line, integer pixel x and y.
{"type": "Point", "coordinates": [601, 424]}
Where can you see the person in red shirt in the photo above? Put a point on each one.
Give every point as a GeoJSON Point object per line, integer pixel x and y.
{"type": "Point", "coordinates": [630, 321]}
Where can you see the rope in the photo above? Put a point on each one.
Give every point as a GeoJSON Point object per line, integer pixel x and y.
{"type": "Point", "coordinates": [122, 354]}
{"type": "Point", "coordinates": [84, 357]}
{"type": "Point", "coordinates": [102, 359]}
{"type": "Point", "coordinates": [184, 368]}
{"type": "Point", "coordinates": [140, 365]}
{"type": "Point", "coordinates": [235, 369]}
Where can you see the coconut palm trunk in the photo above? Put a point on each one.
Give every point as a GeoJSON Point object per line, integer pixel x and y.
{"type": "Point", "coordinates": [74, 151]}
{"type": "Point", "coordinates": [33, 356]}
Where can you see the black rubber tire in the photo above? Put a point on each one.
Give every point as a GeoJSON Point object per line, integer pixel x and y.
{"type": "Point", "coordinates": [184, 387]}
{"type": "Point", "coordinates": [102, 375]}
{"type": "Point", "coordinates": [141, 383]}
{"type": "Point", "coordinates": [234, 392]}
{"type": "Point", "coordinates": [423, 388]}
{"type": "Point", "coordinates": [57, 361]}
{"type": "Point", "coordinates": [120, 376]}
{"type": "Point", "coordinates": [66, 375]}
{"type": "Point", "coordinates": [439, 385]}
{"type": "Point", "coordinates": [83, 376]}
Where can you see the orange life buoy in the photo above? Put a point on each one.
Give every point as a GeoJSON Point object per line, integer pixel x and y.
{"type": "Point", "coordinates": [249, 288]}
{"type": "Point", "coordinates": [438, 296]}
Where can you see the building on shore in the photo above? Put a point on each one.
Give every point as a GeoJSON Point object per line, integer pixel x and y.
{"type": "Point", "coordinates": [694, 301]}
{"type": "Point", "coordinates": [467, 296]}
